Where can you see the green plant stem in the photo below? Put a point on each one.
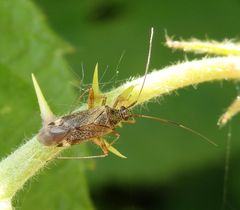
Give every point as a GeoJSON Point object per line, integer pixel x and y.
{"type": "Point", "coordinates": [26, 161]}
{"type": "Point", "coordinates": [5, 205]}
{"type": "Point", "coordinates": [225, 48]}
{"type": "Point", "coordinates": [171, 78]}
{"type": "Point", "coordinates": [18, 167]}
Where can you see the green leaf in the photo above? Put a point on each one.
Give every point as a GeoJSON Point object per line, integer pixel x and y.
{"type": "Point", "coordinates": [28, 45]}
{"type": "Point", "coordinates": [158, 155]}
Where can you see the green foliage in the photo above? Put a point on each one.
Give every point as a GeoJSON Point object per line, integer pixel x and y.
{"type": "Point", "coordinates": [158, 155]}
{"type": "Point", "coordinates": [28, 45]}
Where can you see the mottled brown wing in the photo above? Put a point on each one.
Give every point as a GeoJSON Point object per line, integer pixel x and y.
{"type": "Point", "coordinates": [84, 118]}
{"type": "Point", "coordinates": [83, 133]}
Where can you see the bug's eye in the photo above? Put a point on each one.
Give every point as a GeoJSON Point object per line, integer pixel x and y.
{"type": "Point", "coordinates": [51, 123]}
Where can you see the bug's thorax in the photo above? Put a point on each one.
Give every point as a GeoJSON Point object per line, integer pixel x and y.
{"type": "Point", "coordinates": [116, 116]}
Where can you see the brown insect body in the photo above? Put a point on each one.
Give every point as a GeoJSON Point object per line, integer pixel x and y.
{"type": "Point", "coordinates": [96, 122]}
{"type": "Point", "coordinates": [84, 125]}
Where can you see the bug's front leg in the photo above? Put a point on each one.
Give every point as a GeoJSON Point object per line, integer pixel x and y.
{"type": "Point", "coordinates": [117, 135]}
{"type": "Point", "coordinates": [123, 97]}
{"type": "Point", "coordinates": [104, 100]}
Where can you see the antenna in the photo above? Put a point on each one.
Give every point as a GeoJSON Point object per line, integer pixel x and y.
{"type": "Point", "coordinates": [175, 124]}
{"type": "Point", "coordinates": [146, 69]}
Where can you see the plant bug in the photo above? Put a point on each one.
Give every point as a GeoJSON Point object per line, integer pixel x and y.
{"type": "Point", "coordinates": [96, 122]}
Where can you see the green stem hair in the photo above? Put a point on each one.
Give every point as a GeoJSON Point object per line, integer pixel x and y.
{"type": "Point", "coordinates": [32, 156]}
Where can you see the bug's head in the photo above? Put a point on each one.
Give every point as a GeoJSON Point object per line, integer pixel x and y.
{"type": "Point", "coordinates": [52, 133]}
{"type": "Point", "coordinates": [125, 113]}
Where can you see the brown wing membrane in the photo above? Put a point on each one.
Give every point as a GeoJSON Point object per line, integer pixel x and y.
{"type": "Point", "coordinates": [83, 133]}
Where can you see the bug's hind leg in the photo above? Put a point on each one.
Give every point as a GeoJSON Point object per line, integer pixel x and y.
{"type": "Point", "coordinates": [106, 147]}
{"type": "Point", "coordinates": [101, 143]}
{"type": "Point", "coordinates": [98, 141]}
{"type": "Point", "coordinates": [78, 100]}
{"type": "Point", "coordinates": [83, 157]}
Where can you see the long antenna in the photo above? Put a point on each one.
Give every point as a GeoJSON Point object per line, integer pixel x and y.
{"type": "Point", "coordinates": [177, 125]}
{"type": "Point", "coordinates": [146, 69]}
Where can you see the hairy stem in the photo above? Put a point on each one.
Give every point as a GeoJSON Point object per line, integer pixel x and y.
{"type": "Point", "coordinates": [26, 161]}
{"type": "Point", "coordinates": [18, 167]}
{"type": "Point", "coordinates": [171, 78]}
{"type": "Point", "coordinates": [210, 47]}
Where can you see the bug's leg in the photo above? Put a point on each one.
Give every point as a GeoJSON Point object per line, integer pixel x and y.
{"type": "Point", "coordinates": [100, 132]}
{"type": "Point", "coordinates": [91, 99]}
{"type": "Point", "coordinates": [106, 147]}
{"type": "Point", "coordinates": [83, 157]}
{"type": "Point", "coordinates": [117, 135]}
{"type": "Point", "coordinates": [104, 100]}
{"type": "Point", "coordinates": [116, 102]}
{"type": "Point", "coordinates": [84, 93]}
{"type": "Point", "coordinates": [127, 122]}
{"type": "Point", "coordinates": [97, 141]}
{"type": "Point", "coordinates": [100, 142]}
{"type": "Point", "coordinates": [130, 121]}
{"type": "Point", "coordinates": [123, 96]}
{"type": "Point", "coordinates": [66, 143]}
{"type": "Point", "coordinates": [77, 101]}
{"type": "Point", "coordinates": [114, 150]}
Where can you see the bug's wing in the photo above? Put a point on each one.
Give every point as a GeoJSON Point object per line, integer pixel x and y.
{"type": "Point", "coordinates": [52, 135]}
{"type": "Point", "coordinates": [83, 118]}
{"type": "Point", "coordinates": [85, 132]}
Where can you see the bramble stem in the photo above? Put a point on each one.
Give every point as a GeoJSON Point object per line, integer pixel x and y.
{"type": "Point", "coordinates": [22, 164]}
{"type": "Point", "coordinates": [26, 161]}
{"type": "Point", "coordinates": [225, 48]}
{"type": "Point", "coordinates": [171, 78]}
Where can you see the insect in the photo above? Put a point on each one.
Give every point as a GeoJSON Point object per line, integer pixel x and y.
{"type": "Point", "coordinates": [97, 122]}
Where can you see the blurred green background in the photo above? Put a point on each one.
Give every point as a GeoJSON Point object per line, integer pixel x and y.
{"type": "Point", "coordinates": [167, 168]}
